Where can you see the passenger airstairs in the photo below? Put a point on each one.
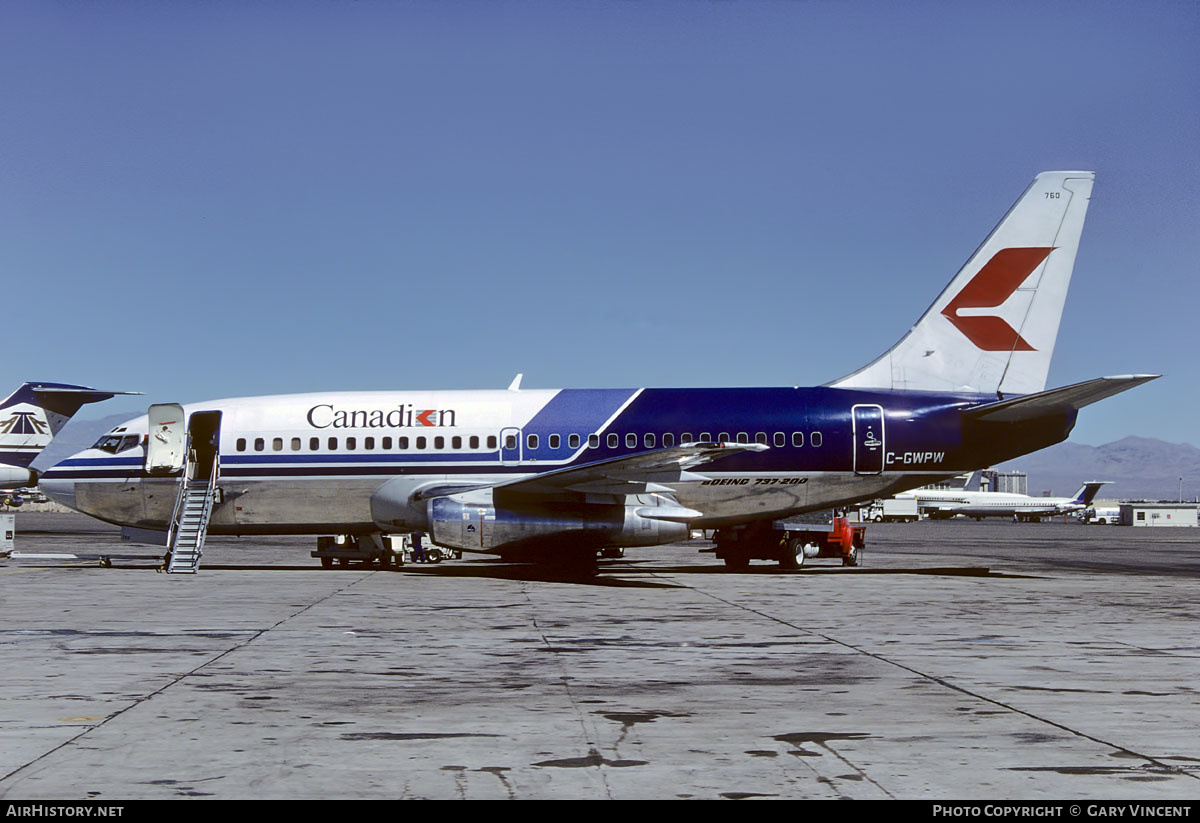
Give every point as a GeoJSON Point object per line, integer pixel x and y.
{"type": "Point", "coordinates": [189, 525]}
{"type": "Point", "coordinates": [190, 453]}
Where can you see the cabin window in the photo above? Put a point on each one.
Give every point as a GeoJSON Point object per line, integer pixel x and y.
{"type": "Point", "coordinates": [780, 440]}
{"type": "Point", "coordinates": [351, 443]}
{"type": "Point", "coordinates": [510, 441]}
{"type": "Point", "coordinates": [241, 444]}
{"type": "Point", "coordinates": [686, 437]}
{"type": "Point", "coordinates": [491, 442]}
{"type": "Point", "coordinates": [614, 441]}
{"type": "Point", "coordinates": [668, 440]}
{"type": "Point", "coordinates": [532, 441]}
{"type": "Point", "coordinates": [456, 442]}
{"type": "Point", "coordinates": [295, 444]}
{"type": "Point", "coordinates": [761, 437]}
{"type": "Point", "coordinates": [439, 442]}
{"type": "Point", "coordinates": [648, 440]}
{"type": "Point", "coordinates": [369, 443]}
{"type": "Point", "coordinates": [593, 441]}
{"type": "Point", "coordinates": [573, 441]}
{"type": "Point", "coordinates": [386, 444]}
{"type": "Point", "coordinates": [420, 443]}
{"type": "Point", "coordinates": [797, 439]}
{"type": "Point", "coordinates": [332, 443]}
{"type": "Point", "coordinates": [705, 437]}
{"type": "Point", "coordinates": [277, 444]}
{"type": "Point", "coordinates": [259, 444]}
{"type": "Point", "coordinates": [402, 443]}
{"type": "Point", "coordinates": [314, 444]}
{"type": "Point", "coordinates": [743, 437]}
{"type": "Point", "coordinates": [723, 437]}
{"type": "Point", "coordinates": [816, 439]}
{"type": "Point", "coordinates": [631, 441]}
{"type": "Point", "coordinates": [555, 441]}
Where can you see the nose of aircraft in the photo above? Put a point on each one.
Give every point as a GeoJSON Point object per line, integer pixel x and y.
{"type": "Point", "coordinates": [57, 487]}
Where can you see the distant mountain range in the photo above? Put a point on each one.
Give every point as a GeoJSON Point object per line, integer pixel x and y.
{"type": "Point", "coordinates": [1140, 468]}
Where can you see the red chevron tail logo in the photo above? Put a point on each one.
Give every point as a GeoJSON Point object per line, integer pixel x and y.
{"type": "Point", "coordinates": [989, 289]}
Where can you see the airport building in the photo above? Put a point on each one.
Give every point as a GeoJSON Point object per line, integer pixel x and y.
{"type": "Point", "coordinates": [1160, 514]}
{"type": "Point", "coordinates": [1007, 482]}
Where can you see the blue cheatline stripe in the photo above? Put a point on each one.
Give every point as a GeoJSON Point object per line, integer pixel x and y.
{"type": "Point", "coordinates": [406, 458]}
{"type": "Point", "coordinates": [267, 472]}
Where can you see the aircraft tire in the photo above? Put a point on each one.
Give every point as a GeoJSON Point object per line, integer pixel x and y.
{"type": "Point", "coordinates": [850, 559]}
{"type": "Point", "coordinates": [791, 554]}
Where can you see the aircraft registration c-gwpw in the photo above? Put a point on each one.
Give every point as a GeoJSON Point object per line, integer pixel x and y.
{"type": "Point", "coordinates": [574, 470]}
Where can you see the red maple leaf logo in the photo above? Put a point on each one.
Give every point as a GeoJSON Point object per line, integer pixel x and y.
{"type": "Point", "coordinates": [988, 289]}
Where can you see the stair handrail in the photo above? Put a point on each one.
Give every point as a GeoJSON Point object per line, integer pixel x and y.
{"type": "Point", "coordinates": [179, 495]}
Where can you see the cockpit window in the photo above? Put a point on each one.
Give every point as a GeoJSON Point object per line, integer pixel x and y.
{"type": "Point", "coordinates": [115, 443]}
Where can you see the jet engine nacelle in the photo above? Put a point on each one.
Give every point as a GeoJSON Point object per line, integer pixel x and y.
{"type": "Point", "coordinates": [12, 477]}
{"type": "Point", "coordinates": [461, 523]}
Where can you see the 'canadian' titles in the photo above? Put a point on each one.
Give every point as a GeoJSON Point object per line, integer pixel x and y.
{"type": "Point", "coordinates": [404, 416]}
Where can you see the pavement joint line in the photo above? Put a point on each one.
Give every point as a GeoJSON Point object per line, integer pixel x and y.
{"type": "Point", "coordinates": [579, 714]}
{"type": "Point", "coordinates": [825, 745]}
{"type": "Point", "coordinates": [1166, 767]}
{"type": "Point", "coordinates": [139, 701]}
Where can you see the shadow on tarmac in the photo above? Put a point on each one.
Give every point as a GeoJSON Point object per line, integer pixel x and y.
{"type": "Point", "coordinates": [613, 575]}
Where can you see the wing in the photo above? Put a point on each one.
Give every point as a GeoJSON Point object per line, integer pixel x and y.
{"type": "Point", "coordinates": [640, 473]}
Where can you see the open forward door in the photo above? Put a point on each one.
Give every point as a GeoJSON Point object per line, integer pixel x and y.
{"type": "Point", "coordinates": [166, 448]}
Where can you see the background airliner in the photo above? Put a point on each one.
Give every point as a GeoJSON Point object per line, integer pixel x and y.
{"type": "Point", "coordinates": [30, 417]}
{"type": "Point", "coordinates": [577, 469]}
{"type": "Point", "coordinates": [938, 503]}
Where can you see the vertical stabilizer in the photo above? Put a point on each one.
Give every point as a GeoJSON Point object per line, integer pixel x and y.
{"type": "Point", "coordinates": [1087, 492]}
{"type": "Point", "coordinates": [993, 329]}
{"type": "Point", "coordinates": [34, 413]}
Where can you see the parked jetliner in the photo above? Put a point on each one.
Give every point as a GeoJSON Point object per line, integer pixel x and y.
{"type": "Point", "coordinates": [943, 503]}
{"type": "Point", "coordinates": [29, 418]}
{"type": "Point", "coordinates": [576, 469]}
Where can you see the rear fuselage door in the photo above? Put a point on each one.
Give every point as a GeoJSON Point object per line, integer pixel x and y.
{"type": "Point", "coordinates": [167, 443]}
{"type": "Point", "coordinates": [868, 439]}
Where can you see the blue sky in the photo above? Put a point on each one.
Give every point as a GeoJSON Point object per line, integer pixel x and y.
{"type": "Point", "coordinates": [210, 199]}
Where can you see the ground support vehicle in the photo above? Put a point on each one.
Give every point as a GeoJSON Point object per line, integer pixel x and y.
{"type": "Point", "coordinates": [893, 510]}
{"type": "Point", "coordinates": [790, 544]}
{"type": "Point", "coordinates": [368, 550]}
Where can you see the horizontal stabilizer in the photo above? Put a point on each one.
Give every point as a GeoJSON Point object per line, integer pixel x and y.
{"type": "Point", "coordinates": [1064, 399]}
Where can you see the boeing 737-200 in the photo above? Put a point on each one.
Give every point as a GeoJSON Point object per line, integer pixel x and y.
{"type": "Point", "coordinates": [573, 470]}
